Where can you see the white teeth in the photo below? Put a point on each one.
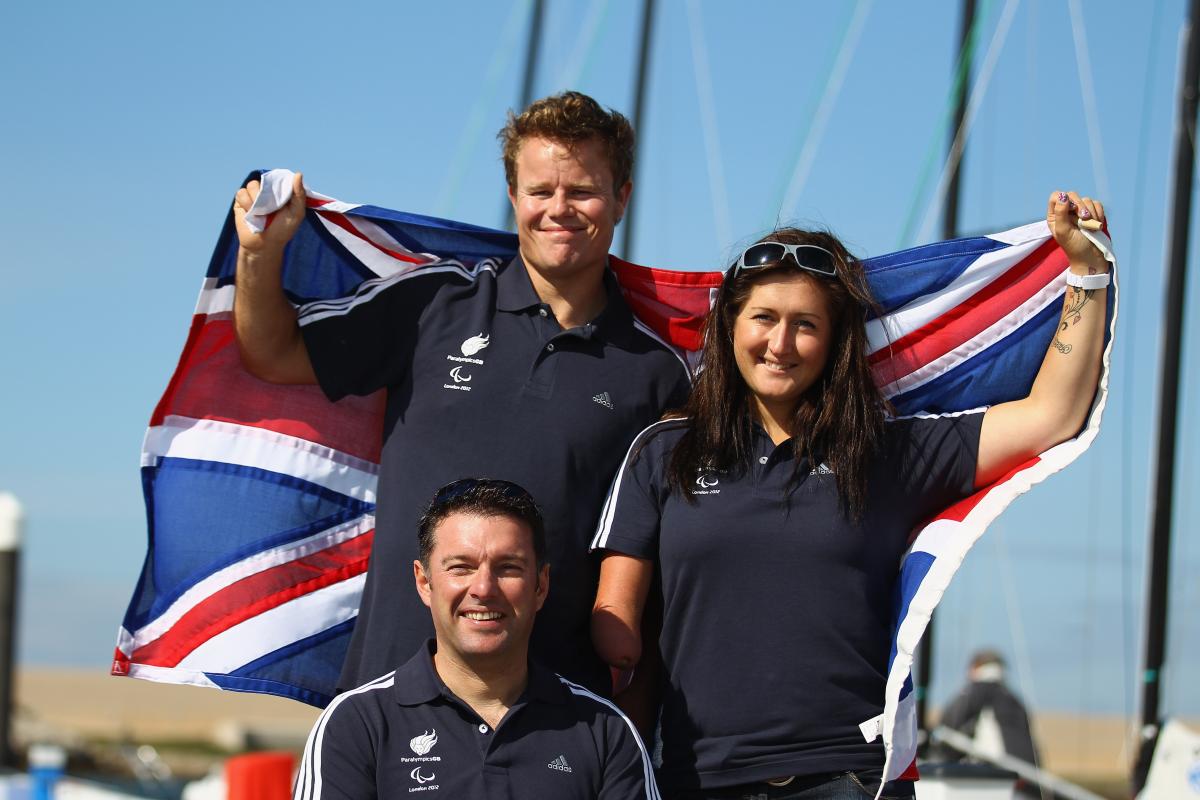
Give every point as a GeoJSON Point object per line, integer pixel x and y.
{"type": "Point", "coordinates": [482, 615]}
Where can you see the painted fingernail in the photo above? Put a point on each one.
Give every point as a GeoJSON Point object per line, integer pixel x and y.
{"type": "Point", "coordinates": [1085, 214]}
{"type": "Point", "coordinates": [1062, 197]}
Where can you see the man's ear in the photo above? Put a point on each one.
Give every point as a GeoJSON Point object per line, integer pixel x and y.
{"type": "Point", "coordinates": [422, 581]}
{"type": "Point", "coordinates": [543, 585]}
{"type": "Point", "coordinates": [623, 199]}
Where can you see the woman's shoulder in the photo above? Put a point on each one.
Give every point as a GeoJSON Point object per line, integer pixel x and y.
{"type": "Point", "coordinates": [658, 438]}
{"type": "Point", "coordinates": [923, 429]}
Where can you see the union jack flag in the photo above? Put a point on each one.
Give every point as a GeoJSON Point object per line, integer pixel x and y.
{"type": "Point", "coordinates": [260, 498]}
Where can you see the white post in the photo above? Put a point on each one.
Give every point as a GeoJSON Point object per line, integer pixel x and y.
{"type": "Point", "coordinates": [12, 520]}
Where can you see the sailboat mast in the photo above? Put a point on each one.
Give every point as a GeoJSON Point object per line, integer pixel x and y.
{"type": "Point", "coordinates": [962, 70]}
{"type": "Point", "coordinates": [639, 104]}
{"type": "Point", "coordinates": [1168, 397]}
{"type": "Point", "coordinates": [532, 50]}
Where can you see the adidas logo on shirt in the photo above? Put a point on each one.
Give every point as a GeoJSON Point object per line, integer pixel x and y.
{"type": "Point", "coordinates": [560, 764]}
{"type": "Point", "coordinates": [603, 399]}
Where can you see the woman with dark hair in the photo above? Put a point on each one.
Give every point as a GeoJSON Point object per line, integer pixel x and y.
{"type": "Point", "coordinates": [777, 507]}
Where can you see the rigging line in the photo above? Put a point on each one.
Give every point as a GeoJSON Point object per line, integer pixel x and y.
{"type": "Point", "coordinates": [469, 139]}
{"type": "Point", "coordinates": [809, 114]}
{"type": "Point", "coordinates": [1021, 657]}
{"type": "Point", "coordinates": [960, 76]}
{"type": "Point", "coordinates": [833, 87]}
{"type": "Point", "coordinates": [1130, 332]}
{"type": "Point", "coordinates": [1088, 89]}
{"type": "Point", "coordinates": [572, 73]}
{"type": "Point", "coordinates": [978, 91]}
{"type": "Point", "coordinates": [708, 118]}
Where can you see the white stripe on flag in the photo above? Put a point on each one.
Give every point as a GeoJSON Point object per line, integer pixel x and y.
{"type": "Point", "coordinates": [248, 446]}
{"type": "Point", "coordinates": [278, 627]}
{"type": "Point", "coordinates": [190, 677]}
{"type": "Point", "coordinates": [1001, 328]}
{"type": "Point", "coordinates": [251, 565]}
{"type": "Point", "coordinates": [214, 300]}
{"type": "Point", "coordinates": [371, 256]}
{"type": "Point", "coordinates": [336, 206]}
{"type": "Point", "coordinates": [1034, 231]}
{"type": "Point", "coordinates": [926, 308]}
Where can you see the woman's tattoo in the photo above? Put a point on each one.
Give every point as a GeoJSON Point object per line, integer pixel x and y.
{"type": "Point", "coordinates": [1072, 314]}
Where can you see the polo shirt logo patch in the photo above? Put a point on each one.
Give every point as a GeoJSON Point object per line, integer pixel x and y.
{"type": "Point", "coordinates": [706, 480]}
{"type": "Point", "coordinates": [604, 400]}
{"type": "Point", "coordinates": [424, 743]}
{"type": "Point", "coordinates": [470, 346]}
{"type": "Point", "coordinates": [474, 344]}
{"type": "Point", "coordinates": [422, 779]}
{"type": "Point", "coordinates": [560, 764]}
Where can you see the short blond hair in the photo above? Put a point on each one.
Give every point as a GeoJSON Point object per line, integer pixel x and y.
{"type": "Point", "coordinates": [570, 118]}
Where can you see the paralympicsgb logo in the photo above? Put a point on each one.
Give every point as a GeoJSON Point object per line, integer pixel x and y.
{"type": "Point", "coordinates": [424, 743]}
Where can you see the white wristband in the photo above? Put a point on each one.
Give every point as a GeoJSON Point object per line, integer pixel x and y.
{"type": "Point", "coordinates": [1088, 282]}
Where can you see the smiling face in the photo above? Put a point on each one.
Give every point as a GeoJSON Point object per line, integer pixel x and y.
{"type": "Point", "coordinates": [483, 587]}
{"type": "Point", "coordinates": [781, 340]}
{"type": "Point", "coordinates": [566, 206]}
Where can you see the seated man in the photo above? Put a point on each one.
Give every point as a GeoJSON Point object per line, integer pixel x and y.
{"type": "Point", "coordinates": [469, 716]}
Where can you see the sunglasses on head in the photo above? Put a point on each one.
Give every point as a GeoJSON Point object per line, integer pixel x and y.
{"type": "Point", "coordinates": [808, 257]}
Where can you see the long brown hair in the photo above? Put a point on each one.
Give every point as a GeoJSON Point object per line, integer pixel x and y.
{"type": "Point", "coordinates": [838, 419]}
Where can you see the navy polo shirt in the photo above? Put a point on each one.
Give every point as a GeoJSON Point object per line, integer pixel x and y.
{"type": "Point", "coordinates": [406, 735]}
{"type": "Point", "coordinates": [778, 608]}
{"type": "Point", "coordinates": [482, 381]}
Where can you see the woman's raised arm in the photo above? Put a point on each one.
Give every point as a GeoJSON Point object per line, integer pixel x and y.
{"type": "Point", "coordinates": [1062, 392]}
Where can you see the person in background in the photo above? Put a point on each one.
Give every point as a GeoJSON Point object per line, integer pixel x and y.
{"type": "Point", "coordinates": [988, 711]}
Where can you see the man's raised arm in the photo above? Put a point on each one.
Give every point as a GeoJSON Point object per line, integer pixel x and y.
{"type": "Point", "coordinates": [268, 336]}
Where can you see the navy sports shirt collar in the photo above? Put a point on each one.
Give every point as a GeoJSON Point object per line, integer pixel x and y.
{"type": "Point", "coordinates": [514, 292]}
{"type": "Point", "coordinates": [417, 682]}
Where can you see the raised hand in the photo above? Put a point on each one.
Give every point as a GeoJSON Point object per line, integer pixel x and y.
{"type": "Point", "coordinates": [281, 226]}
{"type": "Point", "coordinates": [1066, 212]}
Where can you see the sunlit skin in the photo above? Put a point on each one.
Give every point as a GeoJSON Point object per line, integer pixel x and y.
{"type": "Point", "coordinates": [566, 208]}
{"type": "Point", "coordinates": [781, 339]}
{"type": "Point", "coordinates": [483, 588]}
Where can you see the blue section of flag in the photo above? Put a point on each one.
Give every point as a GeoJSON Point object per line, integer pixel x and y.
{"type": "Point", "coordinates": [999, 373]}
{"type": "Point", "coordinates": [912, 574]}
{"type": "Point", "coordinates": [899, 278]}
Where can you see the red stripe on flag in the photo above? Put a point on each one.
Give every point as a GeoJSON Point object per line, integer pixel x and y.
{"type": "Point", "coordinates": [959, 511]}
{"type": "Point", "coordinates": [970, 318]}
{"type": "Point", "coordinates": [345, 224]}
{"type": "Point", "coordinates": [211, 383]}
{"type": "Point", "coordinates": [668, 300]}
{"type": "Point", "coordinates": [254, 595]}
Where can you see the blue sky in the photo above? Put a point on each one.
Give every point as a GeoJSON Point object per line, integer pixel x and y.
{"type": "Point", "coordinates": [128, 126]}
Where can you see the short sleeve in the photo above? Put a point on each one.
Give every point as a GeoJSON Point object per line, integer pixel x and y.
{"type": "Point", "coordinates": [935, 457]}
{"type": "Point", "coordinates": [339, 758]}
{"type": "Point", "coordinates": [364, 342]}
{"type": "Point", "coordinates": [629, 521]}
{"type": "Point", "coordinates": [628, 773]}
